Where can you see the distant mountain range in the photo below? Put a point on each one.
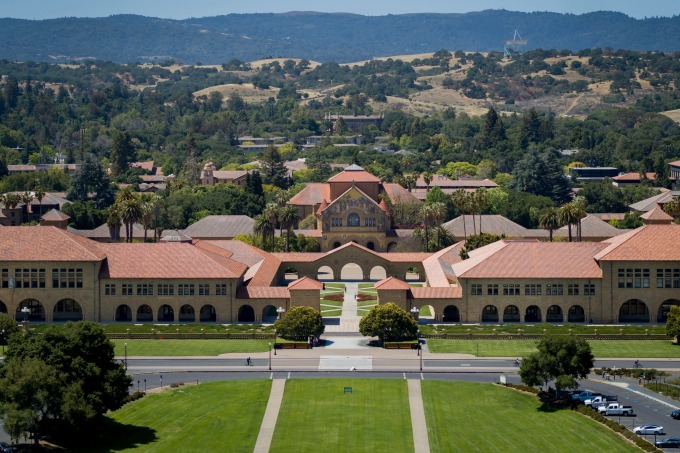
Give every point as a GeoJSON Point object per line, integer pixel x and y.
{"type": "Point", "coordinates": [322, 37]}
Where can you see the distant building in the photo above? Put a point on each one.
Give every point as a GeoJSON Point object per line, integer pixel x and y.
{"type": "Point", "coordinates": [631, 179]}
{"type": "Point", "coordinates": [29, 168]}
{"type": "Point", "coordinates": [593, 174]}
{"type": "Point", "coordinates": [211, 176]}
{"type": "Point", "coordinates": [356, 122]}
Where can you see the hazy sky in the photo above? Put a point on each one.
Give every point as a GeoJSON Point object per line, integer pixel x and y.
{"type": "Point", "coordinates": [182, 9]}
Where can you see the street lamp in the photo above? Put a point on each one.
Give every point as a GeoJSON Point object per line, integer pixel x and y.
{"type": "Point", "coordinates": [25, 311]}
{"type": "Point", "coordinates": [125, 349]}
{"type": "Point", "coordinates": [414, 313]}
{"type": "Point", "coordinates": [279, 312]}
{"type": "Point", "coordinates": [274, 341]}
{"type": "Point", "coordinates": [4, 340]}
{"type": "Point", "coordinates": [270, 356]}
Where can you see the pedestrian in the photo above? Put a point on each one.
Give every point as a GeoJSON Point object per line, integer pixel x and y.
{"type": "Point", "coordinates": [248, 362]}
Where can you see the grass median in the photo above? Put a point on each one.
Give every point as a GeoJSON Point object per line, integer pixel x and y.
{"type": "Point", "coordinates": [633, 349]}
{"type": "Point", "coordinates": [187, 347]}
{"type": "Point", "coordinates": [464, 416]}
{"type": "Point", "coordinates": [317, 415]}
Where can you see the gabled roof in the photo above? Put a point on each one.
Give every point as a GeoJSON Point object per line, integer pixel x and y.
{"type": "Point", "coordinates": [446, 292]}
{"type": "Point", "coordinates": [340, 198]}
{"type": "Point", "coordinates": [591, 227]}
{"type": "Point", "coordinates": [54, 216]}
{"type": "Point", "coordinates": [354, 173]}
{"type": "Point", "coordinates": [634, 176]}
{"type": "Point", "coordinates": [229, 175]}
{"type": "Point", "coordinates": [647, 243]}
{"type": "Point", "coordinates": [175, 236]}
{"type": "Point", "coordinates": [103, 232]}
{"type": "Point", "coordinates": [305, 283]}
{"type": "Point", "coordinates": [493, 224]}
{"type": "Point", "coordinates": [220, 227]}
{"type": "Point", "coordinates": [392, 283]}
{"type": "Point", "coordinates": [650, 203]}
{"type": "Point", "coordinates": [657, 214]}
{"type": "Point", "coordinates": [397, 193]}
{"type": "Point", "coordinates": [529, 259]}
{"type": "Point", "coordinates": [314, 193]}
{"type": "Point", "coordinates": [46, 243]}
{"type": "Point", "coordinates": [263, 292]}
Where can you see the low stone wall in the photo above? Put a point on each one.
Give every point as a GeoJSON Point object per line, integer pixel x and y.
{"type": "Point", "coordinates": [464, 336]}
{"type": "Point", "coordinates": [190, 336]}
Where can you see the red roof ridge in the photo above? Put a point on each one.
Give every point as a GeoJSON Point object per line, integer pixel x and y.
{"type": "Point", "coordinates": [656, 214]}
{"type": "Point", "coordinates": [305, 283]}
{"type": "Point", "coordinates": [82, 242]}
{"type": "Point", "coordinates": [322, 206]}
{"type": "Point", "coordinates": [392, 283]}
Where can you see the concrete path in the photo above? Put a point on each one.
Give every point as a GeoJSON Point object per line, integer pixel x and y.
{"type": "Point", "coordinates": [271, 414]}
{"type": "Point", "coordinates": [421, 443]}
{"type": "Point", "coordinates": [349, 321]}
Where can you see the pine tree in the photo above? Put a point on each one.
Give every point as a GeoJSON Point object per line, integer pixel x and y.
{"type": "Point", "coordinates": [122, 152]}
{"type": "Point", "coordinates": [274, 172]}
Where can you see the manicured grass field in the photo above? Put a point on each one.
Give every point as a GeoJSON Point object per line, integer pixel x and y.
{"type": "Point", "coordinates": [172, 328]}
{"type": "Point", "coordinates": [469, 417]}
{"type": "Point", "coordinates": [364, 306]}
{"type": "Point", "coordinates": [542, 328]}
{"type": "Point", "coordinates": [518, 348]}
{"type": "Point", "coordinates": [340, 287]}
{"type": "Point", "coordinates": [331, 308]}
{"type": "Point", "coordinates": [425, 311]}
{"type": "Point", "coordinates": [317, 416]}
{"type": "Point", "coordinates": [216, 416]}
{"type": "Point", "coordinates": [366, 285]}
{"type": "Point", "coordinates": [187, 347]}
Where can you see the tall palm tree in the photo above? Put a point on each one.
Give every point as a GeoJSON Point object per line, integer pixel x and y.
{"type": "Point", "coordinates": [460, 202]}
{"type": "Point", "coordinates": [157, 202]}
{"type": "Point", "coordinates": [128, 204]}
{"type": "Point", "coordinates": [147, 210]}
{"type": "Point", "coordinates": [289, 217]}
{"type": "Point", "coordinates": [438, 214]}
{"type": "Point", "coordinates": [549, 220]}
{"type": "Point", "coordinates": [262, 227]}
{"type": "Point", "coordinates": [427, 217]}
{"type": "Point", "coordinates": [271, 212]}
{"type": "Point", "coordinates": [113, 221]}
{"type": "Point", "coordinates": [39, 193]}
{"type": "Point", "coordinates": [672, 207]}
{"type": "Point", "coordinates": [568, 215]}
{"type": "Point", "coordinates": [580, 212]}
{"type": "Point", "coordinates": [427, 177]}
{"type": "Point", "coordinates": [26, 199]}
{"type": "Point", "coordinates": [482, 200]}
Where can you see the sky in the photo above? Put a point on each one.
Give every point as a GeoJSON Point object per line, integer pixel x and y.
{"type": "Point", "coordinates": [183, 9]}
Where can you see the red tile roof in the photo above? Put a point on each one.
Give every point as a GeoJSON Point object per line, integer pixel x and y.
{"type": "Point", "coordinates": [448, 292]}
{"type": "Point", "coordinates": [519, 259]}
{"type": "Point", "coordinates": [657, 214]}
{"type": "Point", "coordinates": [263, 292]}
{"type": "Point", "coordinates": [167, 261]}
{"type": "Point", "coordinates": [354, 176]}
{"type": "Point", "coordinates": [392, 283]}
{"type": "Point", "coordinates": [634, 176]}
{"type": "Point", "coordinates": [305, 283]}
{"type": "Point", "coordinates": [591, 227]}
{"type": "Point", "coordinates": [313, 194]}
{"type": "Point", "coordinates": [46, 243]}
{"type": "Point", "coordinates": [647, 243]}
{"type": "Point", "coordinates": [397, 193]}
{"type": "Point", "coordinates": [54, 215]}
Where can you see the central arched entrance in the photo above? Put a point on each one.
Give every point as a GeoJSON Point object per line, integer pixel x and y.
{"type": "Point", "coordinates": [351, 271]}
{"type": "Point", "coordinates": [325, 273]}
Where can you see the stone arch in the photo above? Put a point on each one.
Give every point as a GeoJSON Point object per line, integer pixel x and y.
{"type": "Point", "coordinates": [208, 314]}
{"type": "Point", "coordinates": [633, 310]}
{"type": "Point", "coordinates": [3, 307]}
{"type": "Point", "coordinates": [412, 275]}
{"type": "Point", "coordinates": [351, 271]}
{"type": "Point", "coordinates": [426, 312]}
{"type": "Point", "coordinates": [490, 314]}
{"type": "Point", "coordinates": [325, 273]}
{"type": "Point", "coordinates": [187, 313]}
{"type": "Point", "coordinates": [290, 274]}
{"type": "Point", "coordinates": [370, 245]}
{"type": "Point", "coordinates": [378, 273]}
{"type": "Point", "coordinates": [665, 307]}
{"type": "Point", "coordinates": [511, 314]}
{"type": "Point", "coordinates": [554, 314]}
{"type": "Point", "coordinates": [246, 314]}
{"type": "Point", "coordinates": [36, 312]}
{"type": "Point", "coordinates": [123, 314]}
{"type": "Point", "coordinates": [532, 314]}
{"type": "Point", "coordinates": [576, 314]}
{"type": "Point", "coordinates": [144, 313]}
{"type": "Point", "coordinates": [353, 220]}
{"type": "Point", "coordinates": [392, 247]}
{"type": "Point", "coordinates": [269, 314]}
{"type": "Point", "coordinates": [451, 314]}
{"type": "Point", "coordinates": [166, 313]}
{"type": "Point", "coordinates": [336, 244]}
{"type": "Point", "coordinates": [67, 310]}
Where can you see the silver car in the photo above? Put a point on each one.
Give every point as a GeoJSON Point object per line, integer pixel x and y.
{"type": "Point", "coordinates": [648, 429]}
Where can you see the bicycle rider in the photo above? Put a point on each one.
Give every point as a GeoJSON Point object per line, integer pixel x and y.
{"type": "Point", "coordinates": [248, 361]}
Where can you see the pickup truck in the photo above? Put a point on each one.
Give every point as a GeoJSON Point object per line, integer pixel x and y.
{"type": "Point", "coordinates": [584, 395]}
{"type": "Point", "coordinates": [600, 401]}
{"type": "Point", "coordinates": [615, 409]}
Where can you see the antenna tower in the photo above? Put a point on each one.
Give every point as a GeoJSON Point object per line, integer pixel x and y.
{"type": "Point", "coordinates": [514, 46]}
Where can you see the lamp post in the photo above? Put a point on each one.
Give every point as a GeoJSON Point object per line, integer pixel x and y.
{"type": "Point", "coordinates": [414, 313]}
{"type": "Point", "coordinates": [144, 385]}
{"type": "Point", "coordinates": [25, 312]}
{"type": "Point", "coordinates": [270, 356]}
{"type": "Point", "coordinates": [125, 349]}
{"type": "Point", "coordinates": [279, 312]}
{"type": "Point", "coordinates": [4, 340]}
{"type": "Point", "coordinates": [274, 341]}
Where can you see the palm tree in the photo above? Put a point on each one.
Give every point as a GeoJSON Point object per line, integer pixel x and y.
{"type": "Point", "coordinates": [672, 207]}
{"type": "Point", "coordinates": [427, 216]}
{"type": "Point", "coordinates": [289, 217]}
{"type": "Point", "coordinates": [128, 204]}
{"type": "Point", "coordinates": [580, 212]}
{"type": "Point", "coordinates": [568, 215]}
{"type": "Point", "coordinates": [549, 220]}
{"type": "Point", "coordinates": [147, 210]}
{"type": "Point", "coordinates": [39, 193]}
{"type": "Point", "coordinates": [281, 198]}
{"type": "Point", "coordinates": [481, 197]}
{"type": "Point", "coordinates": [427, 177]}
{"type": "Point", "coordinates": [438, 214]}
{"type": "Point", "coordinates": [271, 212]}
{"type": "Point", "coordinates": [460, 202]}
{"type": "Point", "coordinates": [157, 202]}
{"type": "Point", "coordinates": [261, 227]}
{"type": "Point", "coordinates": [113, 222]}
{"type": "Point", "coordinates": [26, 199]}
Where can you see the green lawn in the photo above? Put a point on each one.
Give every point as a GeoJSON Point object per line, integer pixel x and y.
{"type": "Point", "coordinates": [425, 311]}
{"type": "Point", "coordinates": [339, 287]}
{"type": "Point", "coordinates": [216, 416]}
{"type": "Point", "coordinates": [172, 328]}
{"type": "Point", "coordinates": [317, 416]}
{"type": "Point", "coordinates": [366, 285]}
{"type": "Point", "coordinates": [187, 347]}
{"type": "Point", "coordinates": [518, 348]}
{"type": "Point", "coordinates": [331, 308]}
{"type": "Point", "coordinates": [364, 306]}
{"type": "Point", "coordinates": [543, 328]}
{"type": "Point", "coordinates": [470, 417]}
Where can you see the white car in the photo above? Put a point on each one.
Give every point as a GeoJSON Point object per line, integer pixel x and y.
{"type": "Point", "coordinates": [648, 429]}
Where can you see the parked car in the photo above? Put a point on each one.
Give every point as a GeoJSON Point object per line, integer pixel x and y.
{"type": "Point", "coordinates": [648, 429]}
{"type": "Point", "coordinates": [584, 395]}
{"type": "Point", "coordinates": [675, 414]}
{"type": "Point", "coordinates": [668, 442]}
{"type": "Point", "coordinates": [615, 409]}
{"type": "Point", "coordinates": [600, 401]}
{"type": "Point", "coordinates": [5, 448]}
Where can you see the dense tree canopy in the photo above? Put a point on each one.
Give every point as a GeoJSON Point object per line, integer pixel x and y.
{"type": "Point", "coordinates": [300, 322]}
{"type": "Point", "coordinates": [389, 322]}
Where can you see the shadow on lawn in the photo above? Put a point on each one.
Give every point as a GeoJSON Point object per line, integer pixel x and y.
{"type": "Point", "coordinates": [110, 436]}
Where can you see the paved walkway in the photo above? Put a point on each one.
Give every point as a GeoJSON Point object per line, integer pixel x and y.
{"type": "Point", "coordinates": [349, 321]}
{"type": "Point", "coordinates": [271, 414]}
{"type": "Point", "coordinates": [421, 443]}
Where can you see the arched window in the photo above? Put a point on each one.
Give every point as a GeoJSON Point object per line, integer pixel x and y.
{"type": "Point", "coordinates": [353, 219]}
